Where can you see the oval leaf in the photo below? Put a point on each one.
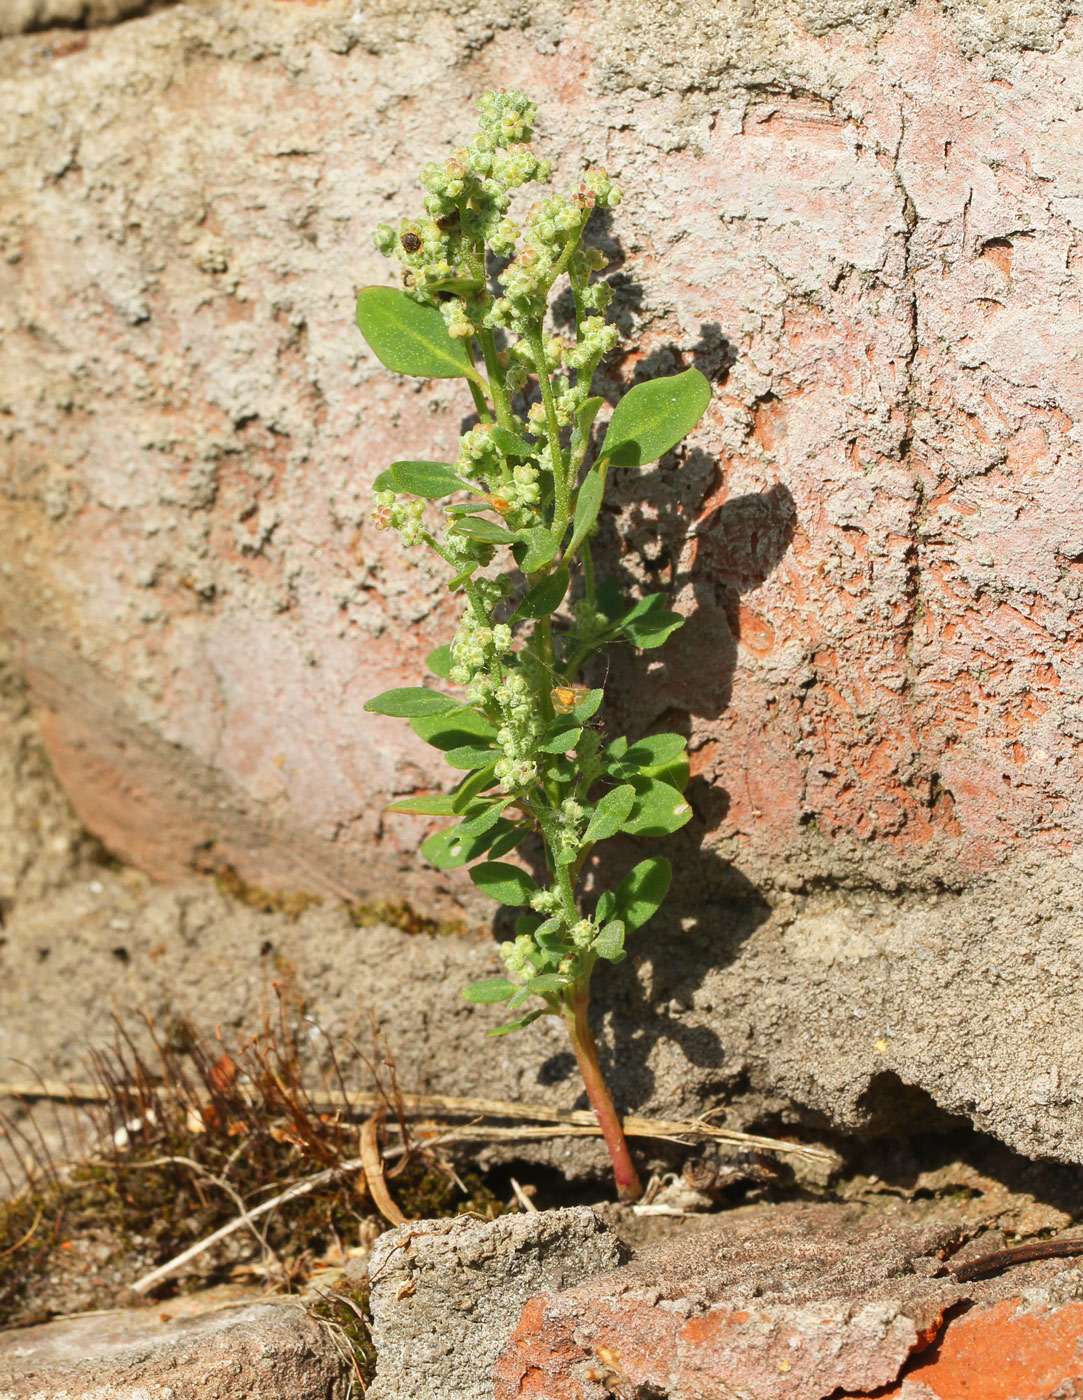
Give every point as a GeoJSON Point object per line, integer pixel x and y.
{"type": "Point", "coordinates": [540, 547]}
{"type": "Point", "coordinates": [641, 891]}
{"type": "Point", "coordinates": [653, 417]}
{"type": "Point", "coordinates": [409, 700]}
{"type": "Point", "coordinates": [588, 504]}
{"type": "Point", "coordinates": [470, 787]}
{"type": "Point", "coordinates": [511, 444]}
{"type": "Point", "coordinates": [562, 742]}
{"type": "Point", "coordinates": [545, 597]}
{"type": "Point", "coordinates": [453, 731]}
{"type": "Point", "coordinates": [448, 849]}
{"type": "Point", "coordinates": [610, 942]}
{"type": "Point", "coordinates": [659, 809]}
{"type": "Point", "coordinates": [438, 805]}
{"type": "Point", "coordinates": [476, 527]}
{"type": "Point", "coordinates": [518, 1024]}
{"type": "Point", "coordinates": [611, 813]}
{"type": "Point", "coordinates": [507, 884]}
{"type": "Point", "coordinates": [655, 749]}
{"type": "Point", "coordinates": [428, 479]}
{"type": "Point", "coordinates": [478, 825]}
{"type": "Point", "coordinates": [410, 338]}
{"type": "Point", "coordinates": [470, 757]}
{"type": "Point", "coordinates": [490, 989]}
{"type": "Point", "coordinates": [440, 662]}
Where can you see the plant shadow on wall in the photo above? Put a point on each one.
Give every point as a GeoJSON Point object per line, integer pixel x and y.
{"type": "Point", "coordinates": [713, 909]}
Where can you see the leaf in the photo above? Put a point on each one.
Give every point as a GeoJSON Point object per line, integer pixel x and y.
{"type": "Point", "coordinates": [440, 662]}
{"type": "Point", "coordinates": [490, 989]}
{"type": "Point", "coordinates": [676, 772]}
{"type": "Point", "coordinates": [428, 479]}
{"type": "Point", "coordinates": [610, 813]}
{"type": "Point", "coordinates": [546, 982]}
{"type": "Point", "coordinates": [655, 749]}
{"type": "Point", "coordinates": [545, 597]}
{"type": "Point", "coordinates": [438, 805]}
{"type": "Point", "coordinates": [410, 338]}
{"type": "Point", "coordinates": [609, 943]}
{"type": "Point", "coordinates": [507, 884]}
{"type": "Point", "coordinates": [477, 826]}
{"type": "Point", "coordinates": [587, 707]}
{"type": "Point", "coordinates": [383, 482]}
{"type": "Point", "coordinates": [659, 809]}
{"type": "Point", "coordinates": [469, 757]}
{"type": "Point", "coordinates": [653, 417]}
{"type": "Point", "coordinates": [642, 890]}
{"type": "Point", "coordinates": [470, 787]}
{"type": "Point", "coordinates": [448, 849]}
{"type": "Point", "coordinates": [606, 906]}
{"type": "Point", "coordinates": [508, 837]}
{"type": "Point", "coordinates": [528, 923]}
{"type": "Point", "coordinates": [511, 444]}
{"type": "Point", "coordinates": [453, 731]}
{"type": "Point", "coordinates": [587, 505]}
{"type": "Point", "coordinates": [460, 286]}
{"type": "Point", "coordinates": [562, 742]}
{"type": "Point", "coordinates": [460, 579]}
{"type": "Point", "coordinates": [584, 419]}
{"type": "Point", "coordinates": [408, 701]}
{"type": "Point", "coordinates": [650, 622]}
{"type": "Point", "coordinates": [476, 527]}
{"type": "Point", "coordinates": [610, 599]}
{"type": "Point", "coordinates": [518, 1024]}
{"type": "Point", "coordinates": [541, 547]}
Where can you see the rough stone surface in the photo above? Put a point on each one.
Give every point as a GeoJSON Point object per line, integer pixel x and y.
{"type": "Point", "coordinates": [262, 1351]}
{"type": "Point", "coordinates": [806, 1301]}
{"type": "Point", "coordinates": [877, 527]}
{"type": "Point", "coordinates": [865, 227]}
{"type": "Point", "coordinates": [25, 16]}
{"type": "Point", "coordinates": [446, 1294]}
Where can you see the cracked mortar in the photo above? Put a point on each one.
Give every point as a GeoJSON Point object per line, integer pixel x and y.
{"type": "Point", "coordinates": [866, 229]}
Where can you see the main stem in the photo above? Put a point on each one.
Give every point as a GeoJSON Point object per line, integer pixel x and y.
{"type": "Point", "coordinates": [629, 1187]}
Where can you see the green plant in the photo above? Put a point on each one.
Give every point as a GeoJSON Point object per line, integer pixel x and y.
{"type": "Point", "coordinates": [524, 496]}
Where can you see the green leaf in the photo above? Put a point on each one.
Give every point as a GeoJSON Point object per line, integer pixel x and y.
{"type": "Point", "coordinates": [528, 923]}
{"type": "Point", "coordinates": [609, 943]}
{"type": "Point", "coordinates": [440, 662]}
{"type": "Point", "coordinates": [438, 805]}
{"type": "Point", "coordinates": [588, 706]}
{"type": "Point", "coordinates": [641, 891]}
{"type": "Point", "coordinates": [606, 905]}
{"type": "Point", "coordinates": [676, 772]}
{"type": "Point", "coordinates": [507, 884]}
{"type": "Point", "coordinates": [511, 444]}
{"type": "Point", "coordinates": [476, 527]}
{"type": "Point", "coordinates": [587, 505]}
{"type": "Point", "coordinates": [468, 507]}
{"type": "Point", "coordinates": [611, 599]}
{"type": "Point", "coordinates": [477, 826]}
{"type": "Point", "coordinates": [428, 479]}
{"type": "Point", "coordinates": [517, 1025]}
{"type": "Point", "coordinates": [470, 787]}
{"type": "Point", "coordinates": [469, 757]}
{"type": "Point", "coordinates": [545, 597]}
{"type": "Point", "coordinates": [453, 731]}
{"type": "Point", "coordinates": [448, 849]}
{"type": "Point", "coordinates": [546, 982]}
{"type": "Point", "coordinates": [540, 549]}
{"type": "Point", "coordinates": [654, 749]}
{"type": "Point", "coordinates": [659, 809]}
{"type": "Point", "coordinates": [460, 579]}
{"type": "Point", "coordinates": [562, 742]}
{"type": "Point", "coordinates": [510, 835]}
{"type": "Point", "coordinates": [490, 989]}
{"type": "Point", "coordinates": [410, 338]}
{"type": "Point", "coordinates": [610, 813]}
{"type": "Point", "coordinates": [650, 622]}
{"type": "Point", "coordinates": [383, 482]}
{"type": "Point", "coordinates": [584, 419]}
{"type": "Point", "coordinates": [408, 701]}
{"type": "Point", "coordinates": [460, 286]}
{"type": "Point", "coordinates": [653, 417]}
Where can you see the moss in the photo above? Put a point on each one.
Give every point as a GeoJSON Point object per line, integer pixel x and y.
{"type": "Point", "coordinates": [403, 916]}
{"type": "Point", "coordinates": [345, 1308]}
{"type": "Point", "coordinates": [289, 902]}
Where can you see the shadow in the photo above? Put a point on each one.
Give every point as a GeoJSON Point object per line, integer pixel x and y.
{"type": "Point", "coordinates": [657, 538]}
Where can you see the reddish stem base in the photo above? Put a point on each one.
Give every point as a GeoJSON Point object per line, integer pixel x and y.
{"type": "Point", "coordinates": [629, 1187]}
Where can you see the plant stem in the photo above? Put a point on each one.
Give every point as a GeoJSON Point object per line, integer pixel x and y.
{"type": "Point", "coordinates": [629, 1187]}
